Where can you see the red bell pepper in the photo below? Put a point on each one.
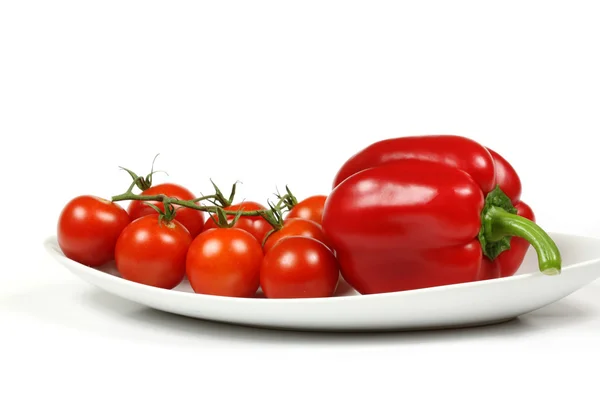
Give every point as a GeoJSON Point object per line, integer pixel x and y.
{"type": "Point", "coordinates": [423, 211]}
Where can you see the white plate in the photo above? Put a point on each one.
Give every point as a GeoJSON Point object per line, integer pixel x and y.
{"type": "Point", "coordinates": [470, 304]}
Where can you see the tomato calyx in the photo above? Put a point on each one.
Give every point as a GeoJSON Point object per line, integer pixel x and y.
{"type": "Point", "coordinates": [222, 221]}
{"type": "Point", "coordinates": [142, 183]}
{"type": "Point", "coordinates": [165, 216]}
{"type": "Point", "coordinates": [274, 216]}
{"type": "Point", "coordinates": [218, 199]}
{"type": "Point", "coordinates": [288, 199]}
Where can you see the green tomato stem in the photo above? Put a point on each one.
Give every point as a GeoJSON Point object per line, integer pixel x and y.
{"type": "Point", "coordinates": [166, 200]}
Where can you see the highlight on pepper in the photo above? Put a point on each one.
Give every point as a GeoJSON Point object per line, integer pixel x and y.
{"type": "Point", "coordinates": [404, 213]}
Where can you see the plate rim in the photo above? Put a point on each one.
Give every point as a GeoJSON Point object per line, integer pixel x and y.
{"type": "Point", "coordinates": [50, 244]}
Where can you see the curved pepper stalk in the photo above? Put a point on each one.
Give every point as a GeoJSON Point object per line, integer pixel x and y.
{"type": "Point", "coordinates": [499, 221]}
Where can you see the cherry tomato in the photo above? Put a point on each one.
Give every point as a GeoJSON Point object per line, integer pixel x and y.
{"type": "Point", "coordinates": [224, 262]}
{"type": "Point", "coordinates": [152, 252]}
{"type": "Point", "coordinates": [88, 229]}
{"type": "Point", "coordinates": [256, 225]}
{"type": "Point", "coordinates": [310, 208]}
{"type": "Point", "coordinates": [299, 267]}
{"type": "Point", "coordinates": [192, 219]}
{"type": "Point", "coordinates": [296, 227]}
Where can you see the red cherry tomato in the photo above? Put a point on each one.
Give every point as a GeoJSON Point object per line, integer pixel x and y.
{"type": "Point", "coordinates": [224, 262]}
{"type": "Point", "coordinates": [310, 208]}
{"type": "Point", "coordinates": [299, 267]}
{"type": "Point", "coordinates": [256, 225]}
{"type": "Point", "coordinates": [296, 227]}
{"type": "Point", "coordinates": [88, 229]}
{"type": "Point", "coordinates": [152, 252]}
{"type": "Point", "coordinates": [193, 220]}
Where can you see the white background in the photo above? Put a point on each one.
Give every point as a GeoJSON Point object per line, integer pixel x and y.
{"type": "Point", "coordinates": [273, 93]}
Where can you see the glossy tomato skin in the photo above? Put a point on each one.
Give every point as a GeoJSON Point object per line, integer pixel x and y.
{"type": "Point", "coordinates": [224, 262]}
{"type": "Point", "coordinates": [193, 220]}
{"type": "Point", "coordinates": [88, 229]}
{"type": "Point", "coordinates": [299, 267]}
{"type": "Point", "coordinates": [255, 225]}
{"type": "Point", "coordinates": [296, 227]}
{"type": "Point", "coordinates": [152, 252]}
{"type": "Point", "coordinates": [310, 208]}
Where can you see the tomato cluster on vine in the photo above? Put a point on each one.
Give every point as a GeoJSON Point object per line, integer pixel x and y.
{"type": "Point", "coordinates": [167, 234]}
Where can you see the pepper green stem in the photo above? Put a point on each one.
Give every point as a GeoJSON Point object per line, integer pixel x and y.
{"type": "Point", "coordinates": [504, 223]}
{"type": "Point", "coordinates": [500, 222]}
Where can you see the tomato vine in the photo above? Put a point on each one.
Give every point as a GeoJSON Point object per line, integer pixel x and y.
{"type": "Point", "coordinates": [271, 215]}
